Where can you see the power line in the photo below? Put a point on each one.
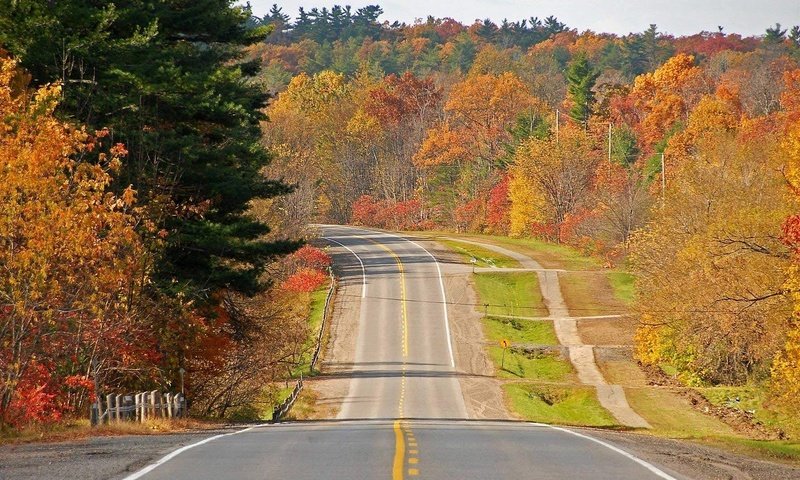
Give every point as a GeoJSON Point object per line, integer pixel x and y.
{"type": "Point", "coordinates": [541, 308]}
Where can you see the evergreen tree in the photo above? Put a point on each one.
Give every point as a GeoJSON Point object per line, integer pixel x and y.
{"type": "Point", "coordinates": [167, 80]}
{"type": "Point", "coordinates": [580, 81]}
{"type": "Point", "coordinates": [774, 35]}
{"type": "Point", "coordinates": [552, 26]}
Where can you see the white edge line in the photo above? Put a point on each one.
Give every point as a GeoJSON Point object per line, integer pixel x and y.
{"type": "Point", "coordinates": [444, 295]}
{"type": "Point", "coordinates": [363, 272]}
{"type": "Point", "coordinates": [177, 452]}
{"type": "Point", "coordinates": [658, 472]}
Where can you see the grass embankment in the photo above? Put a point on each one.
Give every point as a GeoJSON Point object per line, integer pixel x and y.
{"type": "Point", "coordinates": [316, 312]}
{"type": "Point", "coordinates": [305, 402]}
{"type": "Point", "coordinates": [537, 378]}
{"type": "Point", "coordinates": [589, 289]}
{"type": "Point", "coordinates": [483, 256]}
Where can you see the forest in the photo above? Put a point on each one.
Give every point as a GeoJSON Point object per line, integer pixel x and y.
{"type": "Point", "coordinates": [160, 163]}
{"type": "Point", "coordinates": [133, 240]}
{"type": "Point", "coordinates": [675, 157]}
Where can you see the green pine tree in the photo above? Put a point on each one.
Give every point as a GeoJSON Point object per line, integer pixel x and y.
{"type": "Point", "coordinates": [166, 78]}
{"type": "Point", "coordinates": [580, 81]}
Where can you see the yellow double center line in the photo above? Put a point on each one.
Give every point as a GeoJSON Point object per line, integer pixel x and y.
{"type": "Point", "coordinates": [402, 430]}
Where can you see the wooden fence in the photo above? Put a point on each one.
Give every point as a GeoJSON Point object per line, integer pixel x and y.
{"type": "Point", "coordinates": [281, 410]}
{"type": "Point", "coordinates": [137, 407]}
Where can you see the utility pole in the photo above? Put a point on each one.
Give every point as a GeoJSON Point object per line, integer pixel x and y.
{"type": "Point", "coordinates": [557, 114]}
{"type": "Point", "coordinates": [663, 179]}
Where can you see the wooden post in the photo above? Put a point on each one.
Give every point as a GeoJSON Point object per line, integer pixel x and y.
{"type": "Point", "coordinates": [119, 402]}
{"type": "Point", "coordinates": [93, 412]}
{"type": "Point", "coordinates": [153, 399]}
{"type": "Point", "coordinates": [168, 400]}
{"type": "Point", "coordinates": [109, 409]}
{"type": "Point", "coordinates": [143, 403]}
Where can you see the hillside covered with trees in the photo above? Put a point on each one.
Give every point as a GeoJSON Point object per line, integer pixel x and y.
{"type": "Point", "coordinates": [160, 163]}
{"type": "Point", "coordinates": [675, 155]}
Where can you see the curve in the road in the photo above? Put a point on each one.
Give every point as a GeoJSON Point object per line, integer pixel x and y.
{"type": "Point", "coordinates": [360, 262]}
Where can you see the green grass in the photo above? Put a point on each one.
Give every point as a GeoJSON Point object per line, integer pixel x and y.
{"type": "Point", "coordinates": [622, 283]}
{"type": "Point", "coordinates": [317, 310]}
{"type": "Point", "coordinates": [483, 256]}
{"type": "Point", "coordinates": [771, 449]}
{"type": "Point", "coordinates": [520, 331]}
{"type": "Point", "coordinates": [557, 404]}
{"type": "Point", "coordinates": [512, 293]}
{"type": "Point", "coordinates": [550, 255]}
{"type": "Point", "coordinates": [535, 366]}
{"type": "Point", "coordinates": [518, 294]}
{"type": "Point", "coordinates": [755, 399]}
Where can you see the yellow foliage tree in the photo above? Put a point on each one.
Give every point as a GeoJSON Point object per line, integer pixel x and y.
{"type": "Point", "coordinates": [480, 109]}
{"type": "Point", "coordinates": [786, 367]}
{"type": "Point", "coordinates": [552, 179]}
{"type": "Point", "coordinates": [710, 265]}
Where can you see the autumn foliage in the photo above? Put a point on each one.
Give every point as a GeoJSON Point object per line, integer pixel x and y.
{"type": "Point", "coordinates": [407, 215]}
{"type": "Point", "coordinates": [308, 270]}
{"type": "Point", "coordinates": [72, 260]}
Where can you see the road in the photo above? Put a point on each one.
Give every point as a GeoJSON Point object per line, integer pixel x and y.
{"type": "Point", "coordinates": [404, 415]}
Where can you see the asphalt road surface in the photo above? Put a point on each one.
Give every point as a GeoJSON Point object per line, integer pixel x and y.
{"type": "Point", "coordinates": [404, 416]}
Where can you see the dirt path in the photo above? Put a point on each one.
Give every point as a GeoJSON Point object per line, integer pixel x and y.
{"type": "Point", "coordinates": [611, 397]}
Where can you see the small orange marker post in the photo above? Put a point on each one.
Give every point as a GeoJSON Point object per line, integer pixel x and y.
{"type": "Point", "coordinates": [505, 344]}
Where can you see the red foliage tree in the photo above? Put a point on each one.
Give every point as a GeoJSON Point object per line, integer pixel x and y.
{"type": "Point", "coordinates": [304, 280]}
{"type": "Point", "coordinates": [498, 207]}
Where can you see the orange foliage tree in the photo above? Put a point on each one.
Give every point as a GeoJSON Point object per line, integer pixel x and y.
{"type": "Point", "coordinates": [72, 263]}
{"type": "Point", "coordinates": [665, 97]}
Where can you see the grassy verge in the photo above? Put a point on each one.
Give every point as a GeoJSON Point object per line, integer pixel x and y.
{"type": "Point", "coordinates": [315, 315]}
{"type": "Point", "coordinates": [753, 399]}
{"type": "Point", "coordinates": [80, 429]}
{"type": "Point", "coordinates": [520, 331]}
{"type": "Point", "coordinates": [558, 404]}
{"type": "Point", "coordinates": [671, 415]}
{"type": "Point", "coordinates": [531, 365]}
{"type": "Point", "coordinates": [768, 449]}
{"type": "Point", "coordinates": [518, 294]}
{"type": "Point", "coordinates": [622, 284]}
{"type": "Point", "coordinates": [550, 255]}
{"type": "Point", "coordinates": [483, 257]}
{"type": "Point", "coordinates": [512, 293]}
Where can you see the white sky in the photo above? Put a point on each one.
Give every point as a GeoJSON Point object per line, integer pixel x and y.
{"type": "Point", "coordinates": [678, 17]}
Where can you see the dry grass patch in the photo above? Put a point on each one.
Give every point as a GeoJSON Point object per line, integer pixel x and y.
{"type": "Point", "coordinates": [589, 293]}
{"type": "Point", "coordinates": [80, 428]}
{"type": "Point", "coordinates": [622, 372]}
{"type": "Point", "coordinates": [612, 331]}
{"type": "Point", "coordinates": [672, 415]}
